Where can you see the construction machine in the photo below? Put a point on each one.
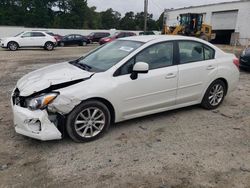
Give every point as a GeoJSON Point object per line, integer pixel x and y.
{"type": "Point", "coordinates": [191, 24]}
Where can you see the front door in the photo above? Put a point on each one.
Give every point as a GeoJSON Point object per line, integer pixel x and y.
{"type": "Point", "coordinates": [152, 91]}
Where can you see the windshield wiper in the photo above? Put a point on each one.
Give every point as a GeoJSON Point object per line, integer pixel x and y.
{"type": "Point", "coordinates": [81, 65]}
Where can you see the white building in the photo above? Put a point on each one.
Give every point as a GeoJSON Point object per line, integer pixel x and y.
{"type": "Point", "coordinates": [230, 20]}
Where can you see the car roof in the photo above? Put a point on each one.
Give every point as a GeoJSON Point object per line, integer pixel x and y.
{"type": "Point", "coordinates": [147, 38]}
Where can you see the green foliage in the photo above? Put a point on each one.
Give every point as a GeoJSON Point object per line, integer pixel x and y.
{"type": "Point", "coordinates": [69, 14]}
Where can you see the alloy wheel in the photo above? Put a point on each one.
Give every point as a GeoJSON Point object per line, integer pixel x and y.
{"type": "Point", "coordinates": [216, 94]}
{"type": "Point", "coordinates": [89, 122]}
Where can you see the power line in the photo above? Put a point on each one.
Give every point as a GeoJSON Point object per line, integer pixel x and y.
{"type": "Point", "coordinates": [156, 5]}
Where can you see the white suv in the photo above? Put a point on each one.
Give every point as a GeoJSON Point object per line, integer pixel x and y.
{"type": "Point", "coordinates": [29, 39]}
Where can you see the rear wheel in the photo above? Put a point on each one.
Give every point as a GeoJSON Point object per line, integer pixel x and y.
{"type": "Point", "coordinates": [49, 46]}
{"type": "Point", "coordinates": [13, 46]}
{"type": "Point", "coordinates": [88, 121]}
{"type": "Point", "coordinates": [62, 44]}
{"type": "Point", "coordinates": [84, 43]}
{"type": "Point", "coordinates": [214, 95]}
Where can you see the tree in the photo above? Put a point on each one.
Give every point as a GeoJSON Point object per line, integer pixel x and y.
{"type": "Point", "coordinates": [128, 21]}
{"type": "Point", "coordinates": [110, 19]}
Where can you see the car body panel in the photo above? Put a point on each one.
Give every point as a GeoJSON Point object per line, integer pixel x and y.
{"type": "Point", "coordinates": [50, 75]}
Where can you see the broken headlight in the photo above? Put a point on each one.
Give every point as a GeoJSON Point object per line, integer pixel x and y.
{"type": "Point", "coordinates": [41, 101]}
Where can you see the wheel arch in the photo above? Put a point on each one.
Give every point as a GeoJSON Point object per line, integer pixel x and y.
{"type": "Point", "coordinates": [225, 82]}
{"type": "Point", "coordinates": [48, 42]}
{"type": "Point", "coordinates": [14, 42]}
{"type": "Point", "coordinates": [108, 104]}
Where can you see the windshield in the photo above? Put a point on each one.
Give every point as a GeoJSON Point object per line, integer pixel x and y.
{"type": "Point", "coordinates": [18, 34]}
{"type": "Point", "coordinates": [107, 56]}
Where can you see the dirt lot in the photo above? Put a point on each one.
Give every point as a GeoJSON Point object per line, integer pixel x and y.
{"type": "Point", "coordinates": [190, 147]}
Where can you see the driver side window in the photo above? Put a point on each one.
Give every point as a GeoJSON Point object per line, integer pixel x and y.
{"type": "Point", "coordinates": [157, 56]}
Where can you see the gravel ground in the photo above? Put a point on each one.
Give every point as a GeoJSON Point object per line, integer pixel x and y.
{"type": "Point", "coordinates": [189, 147]}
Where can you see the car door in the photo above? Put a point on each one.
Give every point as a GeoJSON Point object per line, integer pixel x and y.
{"type": "Point", "coordinates": [197, 68]}
{"type": "Point", "coordinates": [150, 92]}
{"type": "Point", "coordinates": [69, 40]}
{"type": "Point", "coordinates": [38, 39]}
{"type": "Point", "coordinates": [25, 39]}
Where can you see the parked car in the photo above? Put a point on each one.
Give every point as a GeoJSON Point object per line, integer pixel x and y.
{"type": "Point", "coordinates": [117, 35]}
{"type": "Point", "coordinates": [147, 33]}
{"type": "Point", "coordinates": [29, 39]}
{"type": "Point", "coordinates": [56, 36]}
{"type": "Point", "coordinates": [245, 59]}
{"type": "Point", "coordinates": [73, 39]}
{"type": "Point", "coordinates": [124, 79]}
{"type": "Point", "coordinates": [96, 36]}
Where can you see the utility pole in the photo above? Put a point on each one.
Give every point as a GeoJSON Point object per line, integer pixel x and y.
{"type": "Point", "coordinates": [145, 14]}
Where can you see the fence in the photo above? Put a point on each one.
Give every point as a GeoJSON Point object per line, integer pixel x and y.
{"type": "Point", "coordinates": [7, 31]}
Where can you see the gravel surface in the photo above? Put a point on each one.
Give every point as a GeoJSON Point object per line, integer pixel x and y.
{"type": "Point", "coordinates": [189, 147]}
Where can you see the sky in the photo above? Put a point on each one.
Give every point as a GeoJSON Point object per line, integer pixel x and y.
{"type": "Point", "coordinates": [156, 7]}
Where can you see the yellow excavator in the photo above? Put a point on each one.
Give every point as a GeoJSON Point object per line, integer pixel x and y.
{"type": "Point", "coordinates": [191, 24]}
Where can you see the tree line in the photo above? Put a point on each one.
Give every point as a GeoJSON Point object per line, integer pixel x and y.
{"type": "Point", "coordinates": [70, 14]}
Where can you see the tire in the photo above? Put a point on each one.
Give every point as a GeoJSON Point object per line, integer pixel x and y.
{"type": "Point", "coordinates": [214, 95]}
{"type": "Point", "coordinates": [84, 43]}
{"type": "Point", "coordinates": [81, 124]}
{"type": "Point", "coordinates": [49, 46]}
{"type": "Point", "coordinates": [12, 46]}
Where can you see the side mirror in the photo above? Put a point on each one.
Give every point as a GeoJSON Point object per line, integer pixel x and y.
{"type": "Point", "coordinates": [139, 68]}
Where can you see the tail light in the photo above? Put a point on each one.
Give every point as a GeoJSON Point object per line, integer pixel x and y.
{"type": "Point", "coordinates": [237, 63]}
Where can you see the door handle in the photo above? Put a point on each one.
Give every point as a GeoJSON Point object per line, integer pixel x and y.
{"type": "Point", "coordinates": [170, 75]}
{"type": "Point", "coordinates": [210, 67]}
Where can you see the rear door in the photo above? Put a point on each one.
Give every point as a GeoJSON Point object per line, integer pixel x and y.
{"type": "Point", "coordinates": [197, 67]}
{"type": "Point", "coordinates": [38, 39]}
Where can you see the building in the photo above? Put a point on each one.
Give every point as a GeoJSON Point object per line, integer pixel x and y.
{"type": "Point", "coordinates": [230, 20]}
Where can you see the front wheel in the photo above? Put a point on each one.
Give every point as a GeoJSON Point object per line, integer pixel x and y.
{"type": "Point", "coordinates": [88, 121]}
{"type": "Point", "coordinates": [49, 46]}
{"type": "Point", "coordinates": [214, 95]}
{"type": "Point", "coordinates": [12, 46]}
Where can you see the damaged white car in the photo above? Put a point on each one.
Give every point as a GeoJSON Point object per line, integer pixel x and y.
{"type": "Point", "coordinates": [125, 79]}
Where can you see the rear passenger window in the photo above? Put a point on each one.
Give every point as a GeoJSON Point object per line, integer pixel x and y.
{"type": "Point", "coordinates": [37, 34]}
{"type": "Point", "coordinates": [208, 53]}
{"type": "Point", "coordinates": [191, 51]}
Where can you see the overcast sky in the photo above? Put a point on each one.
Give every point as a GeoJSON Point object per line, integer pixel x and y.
{"type": "Point", "coordinates": [155, 6]}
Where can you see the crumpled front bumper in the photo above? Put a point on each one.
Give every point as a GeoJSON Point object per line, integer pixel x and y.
{"type": "Point", "coordinates": [34, 124]}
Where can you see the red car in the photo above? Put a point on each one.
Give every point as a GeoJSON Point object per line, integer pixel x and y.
{"type": "Point", "coordinates": [116, 36]}
{"type": "Point", "coordinates": [56, 36]}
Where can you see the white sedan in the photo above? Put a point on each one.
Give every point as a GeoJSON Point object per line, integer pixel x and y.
{"type": "Point", "coordinates": [124, 79]}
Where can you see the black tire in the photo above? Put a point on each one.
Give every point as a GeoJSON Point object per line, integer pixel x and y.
{"type": "Point", "coordinates": [12, 46]}
{"type": "Point", "coordinates": [207, 101]}
{"type": "Point", "coordinates": [49, 46]}
{"type": "Point", "coordinates": [79, 112]}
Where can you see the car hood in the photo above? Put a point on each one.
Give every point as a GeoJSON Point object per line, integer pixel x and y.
{"type": "Point", "coordinates": [42, 79]}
